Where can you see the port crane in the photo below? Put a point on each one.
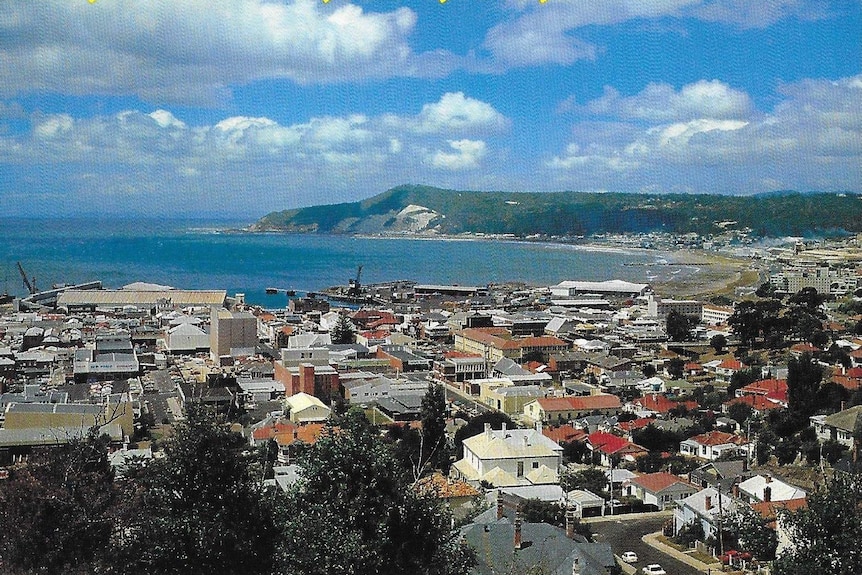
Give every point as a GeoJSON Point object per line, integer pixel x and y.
{"type": "Point", "coordinates": [353, 285]}
{"type": "Point", "coordinates": [30, 284]}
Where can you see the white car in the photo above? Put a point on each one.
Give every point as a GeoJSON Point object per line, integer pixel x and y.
{"type": "Point", "coordinates": [629, 557]}
{"type": "Point", "coordinates": [653, 569]}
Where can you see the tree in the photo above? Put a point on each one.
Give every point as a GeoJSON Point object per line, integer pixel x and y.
{"type": "Point", "coordinates": [675, 367]}
{"type": "Point", "coordinates": [343, 330]}
{"type": "Point", "coordinates": [825, 534]}
{"type": "Point", "coordinates": [765, 289]}
{"type": "Point", "coordinates": [200, 509]}
{"type": "Point", "coordinates": [654, 439]}
{"type": "Point", "coordinates": [649, 370]}
{"type": "Point", "coordinates": [678, 326]}
{"type": "Point", "coordinates": [746, 322]}
{"type": "Point", "coordinates": [476, 425]}
{"type": "Point", "coordinates": [739, 412]}
{"type": "Point", "coordinates": [432, 414]}
{"type": "Point", "coordinates": [718, 342]}
{"type": "Point", "coordinates": [803, 382]}
{"type": "Point", "coordinates": [591, 479]}
{"type": "Point", "coordinates": [753, 533]}
{"type": "Point", "coordinates": [56, 511]}
{"type": "Point", "coordinates": [354, 511]}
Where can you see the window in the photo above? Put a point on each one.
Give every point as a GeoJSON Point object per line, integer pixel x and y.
{"type": "Point", "coordinates": [520, 469]}
{"type": "Point", "coordinates": [535, 465]}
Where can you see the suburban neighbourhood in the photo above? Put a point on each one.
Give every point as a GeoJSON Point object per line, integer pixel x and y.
{"type": "Point", "coordinates": [533, 414]}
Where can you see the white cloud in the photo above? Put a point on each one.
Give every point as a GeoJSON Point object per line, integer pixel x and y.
{"type": "Point", "coordinates": [467, 155]}
{"type": "Point", "coordinates": [812, 139]}
{"type": "Point", "coordinates": [455, 112]}
{"type": "Point", "coordinates": [543, 33]}
{"type": "Point", "coordinates": [660, 102]}
{"type": "Point", "coordinates": [195, 50]}
{"type": "Point", "coordinates": [748, 14]}
{"type": "Point", "coordinates": [133, 155]}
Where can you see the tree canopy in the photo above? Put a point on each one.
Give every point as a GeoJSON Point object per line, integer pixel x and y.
{"type": "Point", "coordinates": [356, 511]}
{"type": "Point", "coordinates": [826, 532]}
{"type": "Point", "coordinates": [200, 509]}
{"type": "Point", "coordinates": [56, 512]}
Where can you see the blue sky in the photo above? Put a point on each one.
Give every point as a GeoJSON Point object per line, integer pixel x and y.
{"type": "Point", "coordinates": [239, 108]}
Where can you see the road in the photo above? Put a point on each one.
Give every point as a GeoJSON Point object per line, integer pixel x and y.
{"type": "Point", "coordinates": [625, 535]}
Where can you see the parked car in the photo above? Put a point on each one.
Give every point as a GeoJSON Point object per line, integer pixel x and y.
{"type": "Point", "coordinates": [653, 569]}
{"type": "Point", "coordinates": [629, 557]}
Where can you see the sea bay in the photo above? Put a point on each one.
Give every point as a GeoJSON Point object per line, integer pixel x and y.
{"type": "Point", "coordinates": [196, 254]}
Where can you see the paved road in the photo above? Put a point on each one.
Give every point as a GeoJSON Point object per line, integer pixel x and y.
{"type": "Point", "coordinates": [626, 536]}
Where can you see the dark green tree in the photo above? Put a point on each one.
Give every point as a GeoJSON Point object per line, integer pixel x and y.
{"type": "Point", "coordinates": [675, 366]}
{"type": "Point", "coordinates": [803, 383]}
{"type": "Point", "coordinates": [654, 439]}
{"type": "Point", "coordinates": [591, 479]}
{"type": "Point", "coordinates": [355, 511]}
{"type": "Point", "coordinates": [753, 533]}
{"type": "Point", "coordinates": [343, 330]}
{"type": "Point", "coordinates": [200, 509]}
{"type": "Point", "coordinates": [56, 511]}
{"type": "Point", "coordinates": [649, 370]}
{"type": "Point", "coordinates": [432, 413]}
{"type": "Point", "coordinates": [679, 326]}
{"type": "Point", "coordinates": [739, 412]}
{"type": "Point", "coordinates": [746, 322]}
{"type": "Point", "coordinates": [718, 342]}
{"type": "Point", "coordinates": [476, 425]}
{"type": "Point", "coordinates": [825, 534]}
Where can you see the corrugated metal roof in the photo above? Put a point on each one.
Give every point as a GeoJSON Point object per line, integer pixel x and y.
{"type": "Point", "coordinates": [143, 298]}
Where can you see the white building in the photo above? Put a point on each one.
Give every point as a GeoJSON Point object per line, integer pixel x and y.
{"type": "Point", "coordinates": [658, 307]}
{"type": "Point", "coordinates": [510, 457]}
{"type": "Point", "coordinates": [305, 408]}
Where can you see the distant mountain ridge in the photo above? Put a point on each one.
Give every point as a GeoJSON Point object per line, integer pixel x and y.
{"type": "Point", "coordinates": [428, 210]}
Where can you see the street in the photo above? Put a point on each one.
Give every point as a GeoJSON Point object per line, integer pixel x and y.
{"type": "Point", "coordinates": [625, 535]}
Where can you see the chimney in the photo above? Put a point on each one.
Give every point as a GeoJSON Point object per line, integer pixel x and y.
{"type": "Point", "coordinates": [735, 490]}
{"type": "Point", "coordinates": [576, 567]}
{"type": "Point", "coordinates": [504, 429]}
{"type": "Point", "coordinates": [488, 429]}
{"type": "Point", "coordinates": [767, 478]}
{"type": "Point", "coordinates": [518, 528]}
{"type": "Point", "coordinates": [499, 504]}
{"type": "Point", "coordinates": [708, 502]}
{"type": "Point", "coordinates": [539, 426]}
{"type": "Point", "coordinates": [745, 464]}
{"type": "Point", "coordinates": [767, 494]}
{"type": "Point", "coordinates": [570, 523]}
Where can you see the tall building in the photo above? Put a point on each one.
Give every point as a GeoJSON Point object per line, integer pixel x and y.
{"type": "Point", "coordinates": [232, 333]}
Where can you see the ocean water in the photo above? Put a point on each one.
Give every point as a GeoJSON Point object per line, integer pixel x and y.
{"type": "Point", "coordinates": [208, 255]}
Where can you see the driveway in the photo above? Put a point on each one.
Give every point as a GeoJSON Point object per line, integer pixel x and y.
{"type": "Point", "coordinates": [625, 535]}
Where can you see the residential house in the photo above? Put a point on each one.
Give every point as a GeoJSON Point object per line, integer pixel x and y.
{"type": "Point", "coordinates": [503, 395]}
{"type": "Point", "coordinates": [516, 546]}
{"type": "Point", "coordinates": [721, 475]}
{"type": "Point", "coordinates": [560, 409]}
{"type": "Point", "coordinates": [725, 369]}
{"type": "Point", "coordinates": [660, 489]}
{"type": "Point", "coordinates": [707, 507]}
{"type": "Point", "coordinates": [767, 488]}
{"type": "Point", "coordinates": [714, 444]}
{"type": "Point", "coordinates": [838, 426]}
{"type": "Point", "coordinates": [509, 457]}
{"type": "Point", "coordinates": [609, 449]}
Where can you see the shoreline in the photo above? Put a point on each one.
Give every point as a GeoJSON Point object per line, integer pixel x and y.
{"type": "Point", "coordinates": [706, 273]}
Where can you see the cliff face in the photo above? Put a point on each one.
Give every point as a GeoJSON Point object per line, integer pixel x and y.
{"type": "Point", "coordinates": [427, 210]}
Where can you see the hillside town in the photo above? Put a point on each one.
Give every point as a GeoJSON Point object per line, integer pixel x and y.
{"type": "Point", "coordinates": [703, 427]}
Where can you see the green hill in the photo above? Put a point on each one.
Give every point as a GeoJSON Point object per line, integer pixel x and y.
{"type": "Point", "coordinates": [424, 209]}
